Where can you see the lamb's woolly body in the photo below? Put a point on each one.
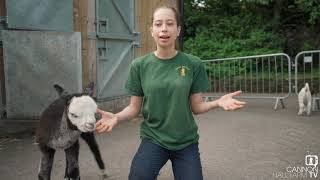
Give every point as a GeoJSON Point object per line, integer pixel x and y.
{"type": "Point", "coordinates": [64, 137]}
{"type": "Point", "coordinates": [61, 125]}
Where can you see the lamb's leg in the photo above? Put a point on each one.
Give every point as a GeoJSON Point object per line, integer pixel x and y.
{"type": "Point", "coordinates": [301, 108]}
{"type": "Point", "coordinates": [309, 108]}
{"type": "Point", "coordinates": [47, 156]}
{"type": "Point", "coordinates": [89, 138]}
{"type": "Point", "coordinates": [72, 156]}
{"type": "Point", "coordinates": [66, 169]}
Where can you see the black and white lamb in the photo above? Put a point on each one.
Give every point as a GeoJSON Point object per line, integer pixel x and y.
{"type": "Point", "coordinates": [61, 124]}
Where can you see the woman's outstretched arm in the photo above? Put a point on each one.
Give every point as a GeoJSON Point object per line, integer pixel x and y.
{"type": "Point", "coordinates": [227, 102]}
{"type": "Point", "coordinates": [109, 120]}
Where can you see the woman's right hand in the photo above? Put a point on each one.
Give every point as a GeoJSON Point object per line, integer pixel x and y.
{"type": "Point", "coordinates": [107, 122]}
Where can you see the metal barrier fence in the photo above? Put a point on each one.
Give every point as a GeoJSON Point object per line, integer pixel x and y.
{"type": "Point", "coordinates": [261, 77]}
{"type": "Point", "coordinates": [307, 69]}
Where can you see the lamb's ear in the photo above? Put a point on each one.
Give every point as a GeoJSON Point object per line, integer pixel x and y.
{"type": "Point", "coordinates": [89, 89]}
{"type": "Point", "coordinates": [60, 90]}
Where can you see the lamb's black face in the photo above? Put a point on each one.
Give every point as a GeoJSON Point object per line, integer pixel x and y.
{"type": "Point", "coordinates": [82, 113]}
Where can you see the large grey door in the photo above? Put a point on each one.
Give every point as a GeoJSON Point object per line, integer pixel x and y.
{"type": "Point", "coordinates": [115, 45]}
{"type": "Point", "coordinates": [40, 14]}
{"type": "Point", "coordinates": [33, 62]}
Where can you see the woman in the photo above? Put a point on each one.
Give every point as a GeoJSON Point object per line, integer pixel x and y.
{"type": "Point", "coordinates": [170, 84]}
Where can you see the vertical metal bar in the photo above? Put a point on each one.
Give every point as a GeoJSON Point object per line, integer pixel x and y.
{"type": "Point", "coordinates": [276, 71]}
{"type": "Point", "coordinates": [257, 76]}
{"type": "Point", "coordinates": [304, 69]}
{"type": "Point", "coordinates": [234, 75]}
{"type": "Point", "coordinates": [311, 71]}
{"type": "Point", "coordinates": [295, 73]}
{"type": "Point", "coordinates": [319, 71]}
{"type": "Point", "coordinates": [224, 77]}
{"type": "Point", "coordinates": [219, 76]}
{"type": "Point", "coordinates": [207, 64]}
{"type": "Point", "coordinates": [288, 60]}
{"type": "Point", "coordinates": [229, 71]}
{"type": "Point", "coordinates": [282, 78]}
{"type": "Point", "coordinates": [213, 76]}
{"type": "Point", "coordinates": [262, 76]}
{"type": "Point", "coordinates": [269, 73]}
{"type": "Point", "coordinates": [245, 75]}
{"type": "Point", "coordinates": [209, 74]}
{"type": "Point", "coordinates": [251, 75]}
{"type": "Point", "coordinates": [239, 66]}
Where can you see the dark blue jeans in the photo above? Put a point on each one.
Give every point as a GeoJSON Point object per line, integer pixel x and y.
{"type": "Point", "coordinates": [150, 158]}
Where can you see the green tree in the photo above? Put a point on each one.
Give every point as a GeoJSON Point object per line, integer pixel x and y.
{"type": "Point", "coordinates": [225, 28]}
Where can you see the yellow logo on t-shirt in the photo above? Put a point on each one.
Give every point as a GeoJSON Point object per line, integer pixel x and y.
{"type": "Point", "coordinates": [182, 70]}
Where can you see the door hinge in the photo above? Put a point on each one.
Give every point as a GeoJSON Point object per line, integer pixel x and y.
{"type": "Point", "coordinates": [137, 39]}
{"type": "Point", "coordinates": [3, 19]}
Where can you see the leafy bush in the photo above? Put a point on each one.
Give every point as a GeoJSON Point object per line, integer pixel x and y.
{"type": "Point", "coordinates": [232, 37]}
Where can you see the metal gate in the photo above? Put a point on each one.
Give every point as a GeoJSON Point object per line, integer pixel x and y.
{"type": "Point", "coordinates": [259, 77]}
{"type": "Point", "coordinates": [116, 39]}
{"type": "Point", "coordinates": [307, 70]}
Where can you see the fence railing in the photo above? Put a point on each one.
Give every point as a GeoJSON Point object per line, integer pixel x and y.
{"type": "Point", "coordinates": [261, 77]}
{"type": "Point", "coordinates": [307, 69]}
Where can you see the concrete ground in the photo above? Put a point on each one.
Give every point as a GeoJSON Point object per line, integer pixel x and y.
{"type": "Point", "coordinates": [254, 143]}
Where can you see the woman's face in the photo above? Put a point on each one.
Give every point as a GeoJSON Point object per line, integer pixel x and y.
{"type": "Point", "coordinates": [164, 28]}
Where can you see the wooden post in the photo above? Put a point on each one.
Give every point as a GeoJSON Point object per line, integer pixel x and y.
{"type": "Point", "coordinates": [91, 43]}
{"type": "Point", "coordinates": [80, 14]}
{"type": "Point", "coordinates": [84, 22]}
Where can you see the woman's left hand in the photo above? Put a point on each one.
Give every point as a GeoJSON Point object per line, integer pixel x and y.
{"type": "Point", "coordinates": [228, 103]}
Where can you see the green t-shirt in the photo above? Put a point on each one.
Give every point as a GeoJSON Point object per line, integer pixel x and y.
{"type": "Point", "coordinates": [166, 86]}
